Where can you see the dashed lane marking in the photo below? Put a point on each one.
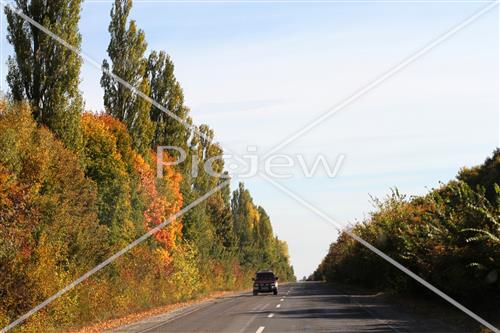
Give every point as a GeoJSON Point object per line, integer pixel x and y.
{"type": "Point", "coordinates": [270, 315]}
{"type": "Point", "coordinates": [260, 329]}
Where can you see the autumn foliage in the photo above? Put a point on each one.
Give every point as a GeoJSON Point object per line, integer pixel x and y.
{"type": "Point", "coordinates": [63, 212]}
{"type": "Point", "coordinates": [49, 230]}
{"type": "Point", "coordinates": [76, 187]}
{"type": "Point", "coordinates": [450, 237]}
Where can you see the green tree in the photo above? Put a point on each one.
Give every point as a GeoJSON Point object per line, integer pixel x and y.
{"type": "Point", "coordinates": [202, 222]}
{"type": "Point", "coordinates": [219, 207]}
{"type": "Point", "coordinates": [450, 237]}
{"type": "Point", "coordinates": [257, 245]}
{"type": "Point", "coordinates": [43, 71]}
{"type": "Point", "coordinates": [167, 91]}
{"type": "Point", "coordinates": [244, 215]}
{"type": "Point", "coordinates": [126, 52]}
{"type": "Point", "coordinates": [105, 165]}
{"type": "Point", "coordinates": [485, 176]}
{"type": "Point", "coordinates": [264, 230]}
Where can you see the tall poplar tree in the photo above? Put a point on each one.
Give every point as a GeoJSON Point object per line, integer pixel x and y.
{"type": "Point", "coordinates": [264, 231]}
{"type": "Point", "coordinates": [44, 72]}
{"type": "Point", "coordinates": [245, 220]}
{"type": "Point", "coordinates": [126, 52]}
{"type": "Point", "coordinates": [166, 90]}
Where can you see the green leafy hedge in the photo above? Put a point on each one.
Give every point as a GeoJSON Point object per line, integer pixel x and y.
{"type": "Point", "coordinates": [450, 237]}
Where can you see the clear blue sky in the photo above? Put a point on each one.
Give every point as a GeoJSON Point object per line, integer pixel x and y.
{"type": "Point", "coordinates": [258, 72]}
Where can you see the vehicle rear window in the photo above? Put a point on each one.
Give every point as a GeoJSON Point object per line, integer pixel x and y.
{"type": "Point", "coordinates": [265, 276]}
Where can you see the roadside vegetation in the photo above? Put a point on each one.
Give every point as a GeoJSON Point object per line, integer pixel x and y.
{"type": "Point", "coordinates": [450, 237]}
{"type": "Point", "coordinates": [76, 187]}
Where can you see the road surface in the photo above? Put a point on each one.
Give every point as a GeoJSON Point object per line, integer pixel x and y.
{"type": "Point", "coordinates": [299, 307]}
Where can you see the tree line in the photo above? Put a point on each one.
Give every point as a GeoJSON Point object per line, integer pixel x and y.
{"type": "Point", "coordinates": [450, 237]}
{"type": "Point", "coordinates": [75, 186]}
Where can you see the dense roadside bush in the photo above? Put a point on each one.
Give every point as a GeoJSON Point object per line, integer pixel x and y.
{"type": "Point", "coordinates": [63, 212]}
{"type": "Point", "coordinates": [450, 237]}
{"type": "Point", "coordinates": [49, 231]}
{"type": "Point", "coordinates": [77, 187]}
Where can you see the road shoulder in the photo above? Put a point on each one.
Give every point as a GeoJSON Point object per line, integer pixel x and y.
{"type": "Point", "coordinates": [139, 321]}
{"type": "Point", "coordinates": [427, 309]}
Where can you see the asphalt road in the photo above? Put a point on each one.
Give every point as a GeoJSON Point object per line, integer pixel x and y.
{"type": "Point", "coordinates": [299, 307]}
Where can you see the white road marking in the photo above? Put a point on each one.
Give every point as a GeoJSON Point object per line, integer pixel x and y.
{"type": "Point", "coordinates": [281, 300]}
{"type": "Point", "coordinates": [252, 318]}
{"type": "Point", "coordinates": [260, 329]}
{"type": "Point", "coordinates": [279, 305]}
{"type": "Point", "coordinates": [270, 315]}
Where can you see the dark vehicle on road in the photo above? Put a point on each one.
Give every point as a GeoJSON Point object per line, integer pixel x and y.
{"type": "Point", "coordinates": [265, 282]}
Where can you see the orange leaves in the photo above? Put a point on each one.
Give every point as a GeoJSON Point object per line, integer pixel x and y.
{"type": "Point", "coordinates": [16, 215]}
{"type": "Point", "coordinates": [127, 183]}
{"type": "Point", "coordinates": [48, 226]}
{"type": "Point", "coordinates": [163, 199]}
